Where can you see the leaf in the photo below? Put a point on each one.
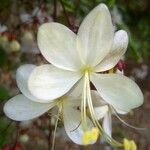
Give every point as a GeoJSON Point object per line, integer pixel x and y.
{"type": "Point", "coordinates": [3, 57]}
{"type": "Point", "coordinates": [4, 93]}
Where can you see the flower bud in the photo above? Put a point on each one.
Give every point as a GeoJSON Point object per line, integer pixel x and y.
{"type": "Point", "coordinates": [3, 41]}
{"type": "Point", "coordinates": [14, 46]}
{"type": "Point", "coordinates": [27, 37]}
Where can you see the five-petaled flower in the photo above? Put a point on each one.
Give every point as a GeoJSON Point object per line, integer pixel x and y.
{"type": "Point", "coordinates": [82, 58]}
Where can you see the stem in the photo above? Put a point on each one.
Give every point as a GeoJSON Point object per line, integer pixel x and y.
{"type": "Point", "coordinates": [55, 10]}
{"type": "Point", "coordinates": [50, 135]}
{"type": "Point", "coordinates": [77, 7]}
{"type": "Point", "coordinates": [54, 135]}
{"type": "Point", "coordinates": [9, 124]}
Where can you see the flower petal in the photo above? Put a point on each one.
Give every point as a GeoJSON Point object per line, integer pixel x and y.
{"type": "Point", "coordinates": [97, 100]}
{"type": "Point", "coordinates": [57, 43]}
{"type": "Point", "coordinates": [76, 91]}
{"type": "Point", "coordinates": [95, 35]}
{"type": "Point", "coordinates": [118, 49]}
{"type": "Point", "coordinates": [118, 90]}
{"type": "Point", "coordinates": [47, 82]}
{"type": "Point", "coordinates": [101, 111]}
{"type": "Point", "coordinates": [100, 106]}
{"type": "Point", "coordinates": [72, 121]}
{"type": "Point", "coordinates": [107, 124]}
{"type": "Point", "coordinates": [121, 111]}
{"type": "Point", "coordinates": [20, 108]}
{"type": "Point", "coordinates": [22, 75]}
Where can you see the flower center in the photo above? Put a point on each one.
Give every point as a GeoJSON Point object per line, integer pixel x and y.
{"type": "Point", "coordinates": [87, 69]}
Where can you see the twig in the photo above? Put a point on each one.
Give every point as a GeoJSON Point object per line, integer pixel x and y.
{"type": "Point", "coordinates": [65, 13]}
{"type": "Point", "coordinates": [50, 135]}
{"type": "Point", "coordinates": [7, 127]}
{"type": "Point", "coordinates": [17, 134]}
{"type": "Point", "coordinates": [55, 10]}
{"type": "Point", "coordinates": [54, 133]}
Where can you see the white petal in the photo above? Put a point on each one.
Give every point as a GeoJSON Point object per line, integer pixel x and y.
{"type": "Point", "coordinates": [107, 124]}
{"type": "Point", "coordinates": [77, 91]}
{"type": "Point", "coordinates": [72, 121]}
{"type": "Point", "coordinates": [119, 111]}
{"type": "Point", "coordinates": [57, 43]}
{"type": "Point", "coordinates": [20, 108]}
{"type": "Point", "coordinates": [119, 47]}
{"type": "Point", "coordinates": [101, 111]}
{"type": "Point", "coordinates": [97, 100]}
{"type": "Point", "coordinates": [118, 90]}
{"type": "Point", "coordinates": [47, 82]}
{"type": "Point", "coordinates": [22, 76]}
{"type": "Point", "coordinates": [100, 106]}
{"type": "Point", "coordinates": [95, 35]}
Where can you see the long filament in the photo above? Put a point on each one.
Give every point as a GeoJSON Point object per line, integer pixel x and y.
{"type": "Point", "coordinates": [136, 128]}
{"type": "Point", "coordinates": [94, 119]}
{"type": "Point", "coordinates": [83, 106]}
{"type": "Point", "coordinates": [55, 128]}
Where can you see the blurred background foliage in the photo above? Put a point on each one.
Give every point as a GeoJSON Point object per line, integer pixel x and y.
{"type": "Point", "coordinates": [19, 21]}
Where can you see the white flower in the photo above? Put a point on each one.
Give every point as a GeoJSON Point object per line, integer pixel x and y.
{"type": "Point", "coordinates": [24, 106]}
{"type": "Point", "coordinates": [80, 57]}
{"type": "Point", "coordinates": [94, 49]}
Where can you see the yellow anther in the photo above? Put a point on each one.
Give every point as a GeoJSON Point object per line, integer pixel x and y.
{"type": "Point", "coordinates": [126, 144]}
{"type": "Point", "coordinates": [94, 134]}
{"type": "Point", "coordinates": [129, 145]}
{"type": "Point", "coordinates": [86, 137]}
{"type": "Point", "coordinates": [90, 136]}
{"type": "Point", "coordinates": [133, 145]}
{"type": "Point", "coordinates": [111, 71]}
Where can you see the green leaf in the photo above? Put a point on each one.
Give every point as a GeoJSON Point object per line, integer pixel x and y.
{"type": "Point", "coordinates": [3, 57]}
{"type": "Point", "coordinates": [4, 94]}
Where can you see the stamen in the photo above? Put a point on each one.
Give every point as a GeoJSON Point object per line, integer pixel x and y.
{"type": "Point", "coordinates": [95, 134]}
{"type": "Point", "coordinates": [133, 127]}
{"type": "Point", "coordinates": [96, 122]}
{"type": "Point", "coordinates": [90, 136]}
{"type": "Point", "coordinates": [83, 106]}
{"type": "Point", "coordinates": [87, 96]}
{"type": "Point", "coordinates": [86, 137]}
{"type": "Point", "coordinates": [56, 124]}
{"type": "Point", "coordinates": [129, 145]}
{"type": "Point", "coordinates": [133, 145]}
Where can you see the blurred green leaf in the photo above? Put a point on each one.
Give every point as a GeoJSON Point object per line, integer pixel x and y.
{"type": "Point", "coordinates": [3, 57]}
{"type": "Point", "coordinates": [6, 129]}
{"type": "Point", "coordinates": [4, 93]}
{"type": "Point", "coordinates": [4, 4]}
